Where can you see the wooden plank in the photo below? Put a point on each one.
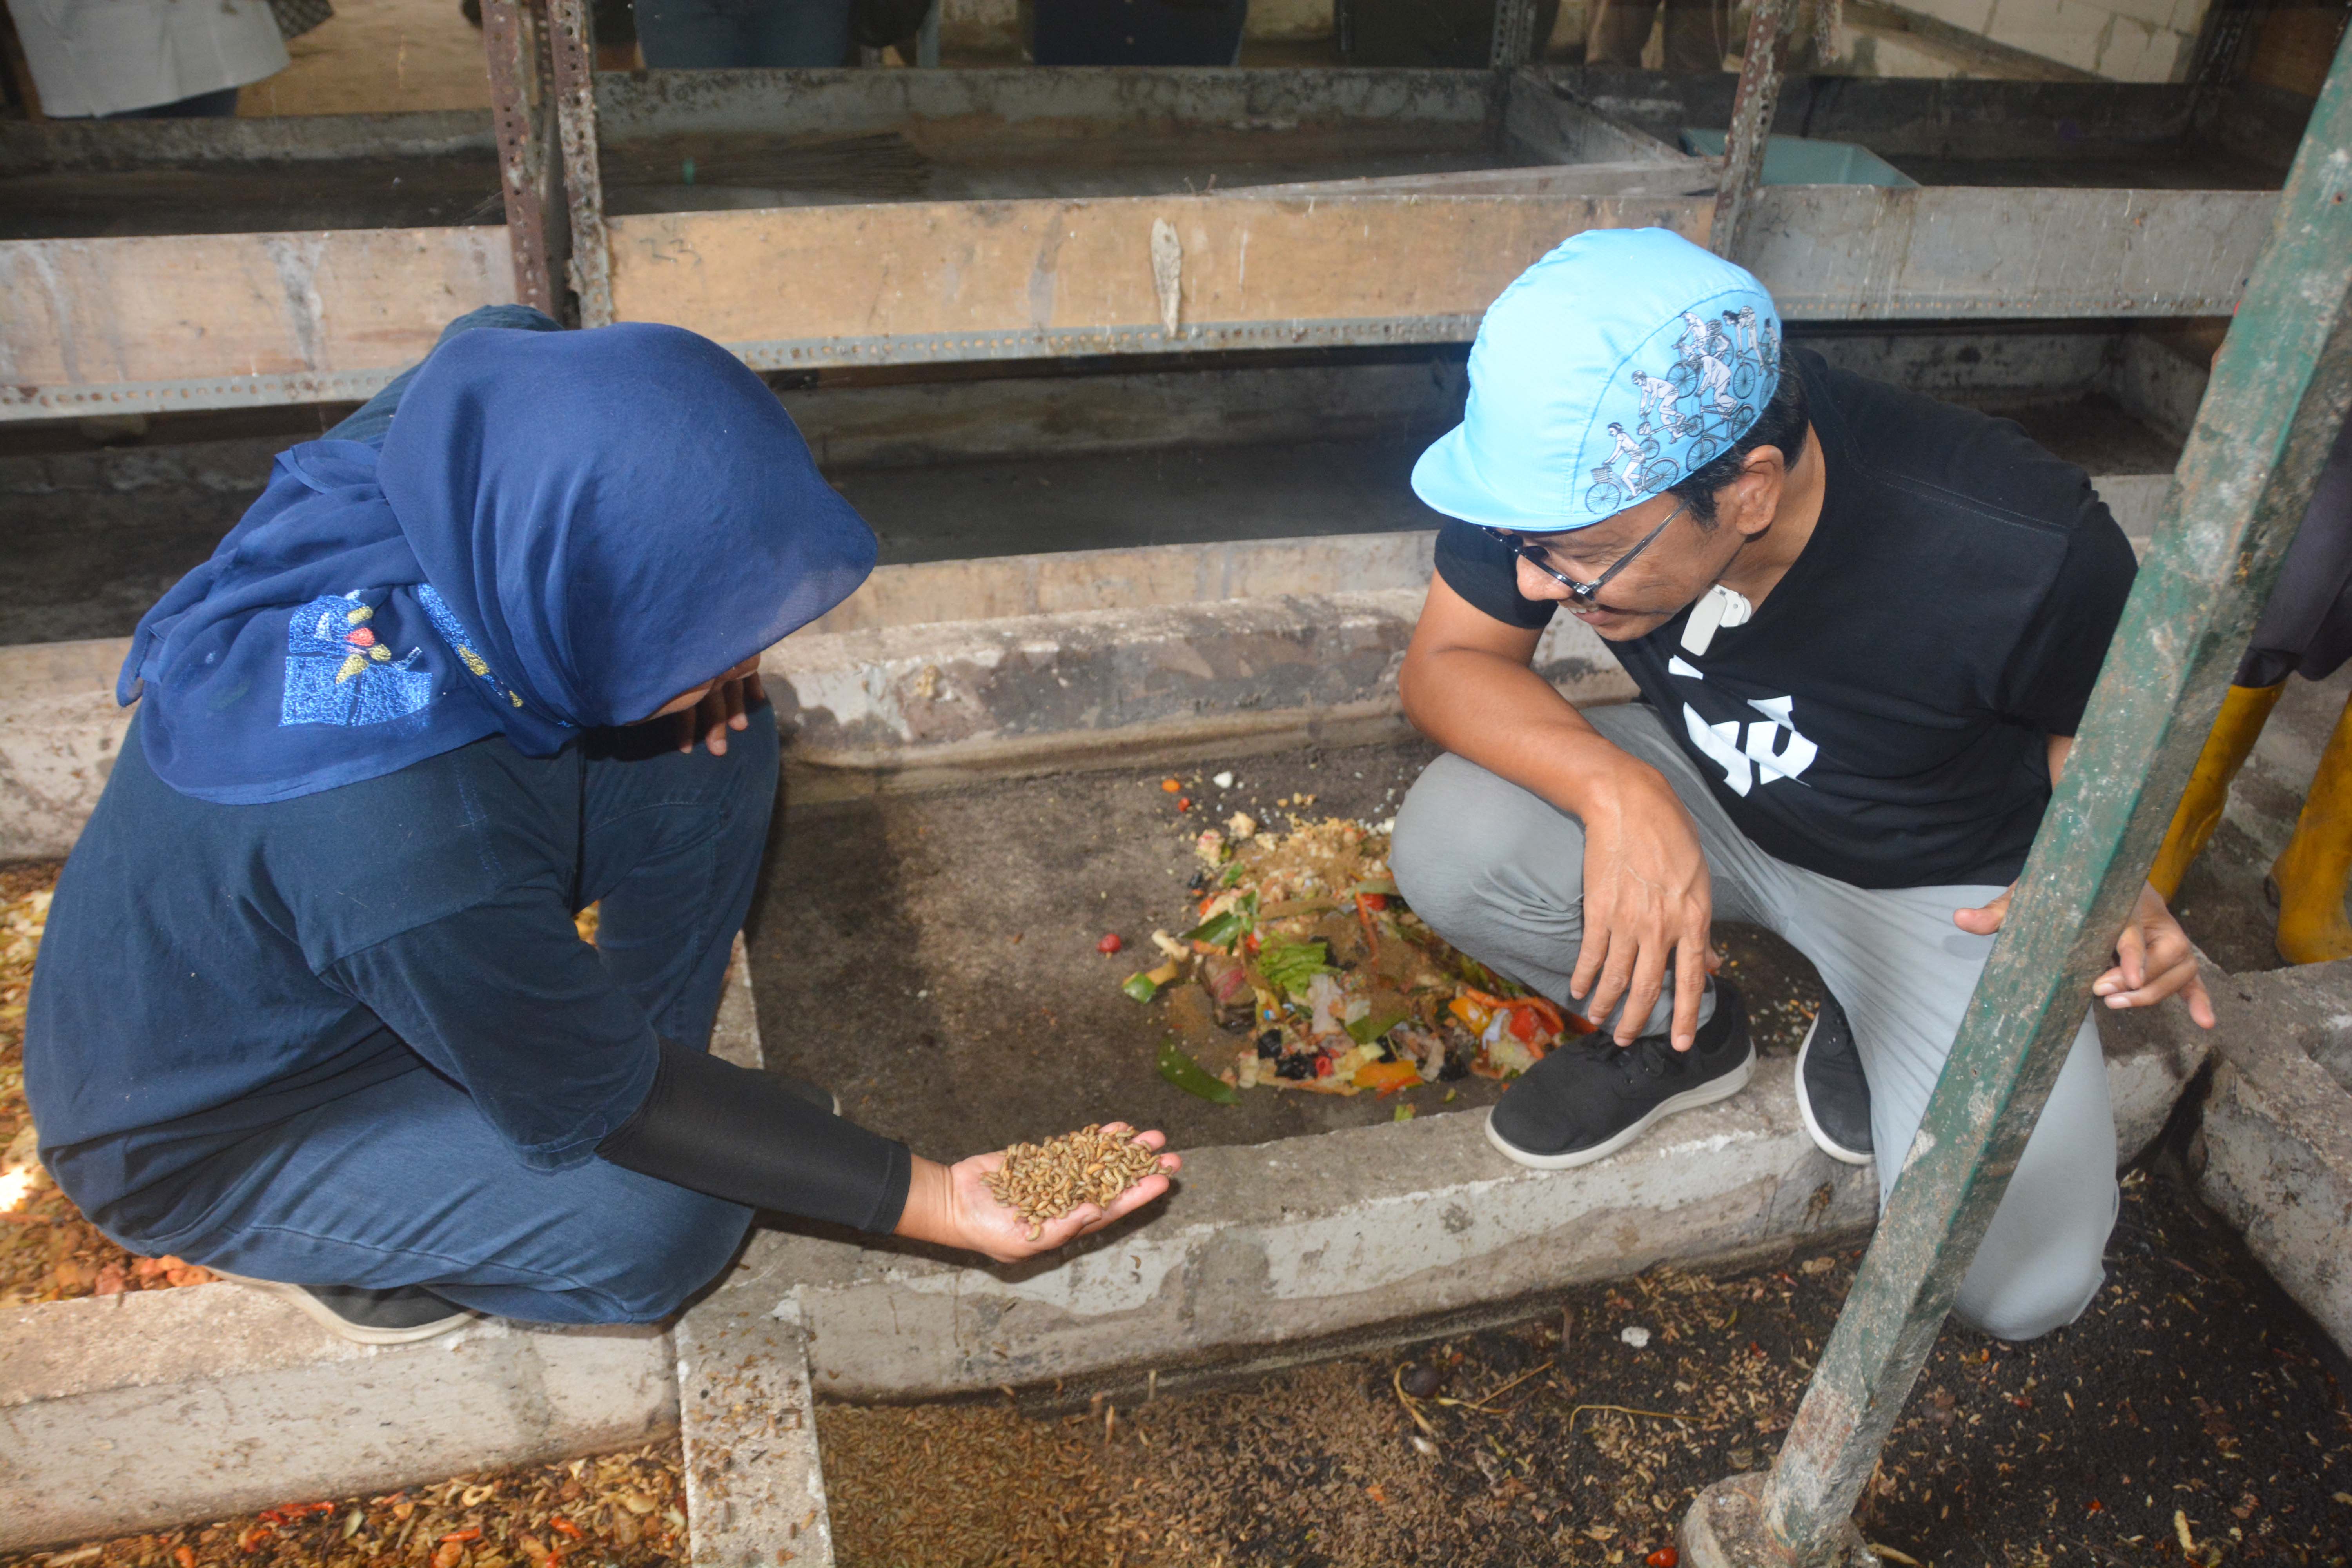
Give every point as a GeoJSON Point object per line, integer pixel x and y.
{"type": "Point", "coordinates": [979, 279]}
{"type": "Point", "coordinates": [222, 321]}
{"type": "Point", "coordinates": [216, 320]}
{"type": "Point", "coordinates": [1873, 253]}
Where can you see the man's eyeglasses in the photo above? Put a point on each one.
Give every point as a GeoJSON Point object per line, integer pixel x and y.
{"type": "Point", "coordinates": [1533, 555]}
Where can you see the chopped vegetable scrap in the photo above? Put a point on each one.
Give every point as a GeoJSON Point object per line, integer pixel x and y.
{"type": "Point", "coordinates": [1045, 1181]}
{"type": "Point", "coordinates": [1305, 950]}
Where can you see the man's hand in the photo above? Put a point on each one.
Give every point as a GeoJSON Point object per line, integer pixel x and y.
{"type": "Point", "coordinates": [722, 709]}
{"type": "Point", "coordinates": [2154, 959]}
{"type": "Point", "coordinates": [1647, 899]}
{"type": "Point", "coordinates": [950, 1204]}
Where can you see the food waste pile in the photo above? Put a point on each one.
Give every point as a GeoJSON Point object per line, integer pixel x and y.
{"type": "Point", "coordinates": [1304, 953]}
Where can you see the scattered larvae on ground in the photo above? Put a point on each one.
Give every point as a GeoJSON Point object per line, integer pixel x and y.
{"type": "Point", "coordinates": [1043, 1182]}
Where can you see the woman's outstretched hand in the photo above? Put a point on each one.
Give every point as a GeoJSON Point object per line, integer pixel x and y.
{"type": "Point", "coordinates": [951, 1205]}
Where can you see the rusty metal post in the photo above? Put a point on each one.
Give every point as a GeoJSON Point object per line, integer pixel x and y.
{"type": "Point", "coordinates": [2277, 398]}
{"type": "Point", "coordinates": [572, 39]}
{"type": "Point", "coordinates": [514, 35]}
{"type": "Point", "coordinates": [1751, 123]}
{"type": "Point", "coordinates": [1515, 43]}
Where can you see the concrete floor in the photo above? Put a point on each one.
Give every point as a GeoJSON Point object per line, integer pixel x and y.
{"type": "Point", "coordinates": [932, 957]}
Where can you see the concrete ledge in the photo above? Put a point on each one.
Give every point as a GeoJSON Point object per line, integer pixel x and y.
{"type": "Point", "coordinates": [754, 1488]}
{"type": "Point", "coordinates": [1265, 1246]}
{"type": "Point", "coordinates": [139, 1411]}
{"type": "Point", "coordinates": [2276, 1139]}
{"type": "Point", "coordinates": [933, 703]}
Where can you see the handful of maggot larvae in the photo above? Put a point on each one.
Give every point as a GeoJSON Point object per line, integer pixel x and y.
{"type": "Point", "coordinates": [1043, 1182]}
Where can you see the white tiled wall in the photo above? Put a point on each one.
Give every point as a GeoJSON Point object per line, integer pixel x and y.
{"type": "Point", "coordinates": [2123, 40]}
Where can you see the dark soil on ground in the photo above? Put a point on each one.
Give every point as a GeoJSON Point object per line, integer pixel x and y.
{"type": "Point", "coordinates": [2192, 1415]}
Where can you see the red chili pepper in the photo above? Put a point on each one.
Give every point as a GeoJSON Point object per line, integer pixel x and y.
{"type": "Point", "coordinates": [1110, 943]}
{"type": "Point", "coordinates": [563, 1526]}
{"type": "Point", "coordinates": [1543, 1009]}
{"type": "Point", "coordinates": [461, 1535]}
{"type": "Point", "coordinates": [1372, 900]}
{"type": "Point", "coordinates": [1523, 1024]}
{"type": "Point", "coordinates": [1250, 943]}
{"type": "Point", "coordinates": [1322, 1067]}
{"type": "Point", "coordinates": [252, 1538]}
{"type": "Point", "coordinates": [185, 1556]}
{"type": "Point", "coordinates": [1183, 803]}
{"type": "Point", "coordinates": [1664, 1557]}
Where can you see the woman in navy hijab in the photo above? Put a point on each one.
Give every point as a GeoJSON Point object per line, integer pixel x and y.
{"type": "Point", "coordinates": [311, 1009]}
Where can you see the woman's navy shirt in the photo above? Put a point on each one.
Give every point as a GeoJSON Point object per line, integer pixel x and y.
{"type": "Point", "coordinates": [211, 971]}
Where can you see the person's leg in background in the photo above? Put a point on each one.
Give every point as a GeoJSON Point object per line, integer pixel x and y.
{"type": "Point", "coordinates": [1617, 32]}
{"type": "Point", "coordinates": [371, 419]}
{"type": "Point", "coordinates": [1905, 973]}
{"type": "Point", "coordinates": [1698, 37]}
{"type": "Point", "coordinates": [695, 35]}
{"type": "Point", "coordinates": [799, 35]}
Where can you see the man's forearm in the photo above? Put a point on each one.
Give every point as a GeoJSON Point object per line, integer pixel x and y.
{"type": "Point", "coordinates": [1508, 719]}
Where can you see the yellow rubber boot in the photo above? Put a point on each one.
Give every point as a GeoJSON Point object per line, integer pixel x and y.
{"type": "Point", "coordinates": [2243, 713]}
{"type": "Point", "coordinates": [2312, 873]}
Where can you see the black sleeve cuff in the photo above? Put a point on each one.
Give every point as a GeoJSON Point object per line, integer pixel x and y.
{"type": "Point", "coordinates": [740, 1135]}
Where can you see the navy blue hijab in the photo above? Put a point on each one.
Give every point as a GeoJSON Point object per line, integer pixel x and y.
{"type": "Point", "coordinates": [562, 530]}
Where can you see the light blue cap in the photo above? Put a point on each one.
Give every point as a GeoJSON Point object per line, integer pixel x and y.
{"type": "Point", "coordinates": [1610, 370]}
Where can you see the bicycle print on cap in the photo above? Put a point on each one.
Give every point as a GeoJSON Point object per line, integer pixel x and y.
{"type": "Point", "coordinates": [1726, 365]}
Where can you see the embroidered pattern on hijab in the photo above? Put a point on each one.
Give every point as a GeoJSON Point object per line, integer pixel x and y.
{"type": "Point", "coordinates": [562, 530]}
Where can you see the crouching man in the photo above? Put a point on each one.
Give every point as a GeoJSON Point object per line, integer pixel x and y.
{"type": "Point", "coordinates": [1865, 625]}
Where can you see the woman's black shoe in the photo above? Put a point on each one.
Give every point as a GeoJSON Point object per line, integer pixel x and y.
{"type": "Point", "coordinates": [1591, 1096]}
{"type": "Point", "coordinates": [368, 1317]}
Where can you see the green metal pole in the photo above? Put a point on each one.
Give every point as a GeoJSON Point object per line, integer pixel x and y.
{"type": "Point", "coordinates": [2277, 398]}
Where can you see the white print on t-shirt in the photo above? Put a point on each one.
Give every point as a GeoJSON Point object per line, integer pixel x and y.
{"type": "Point", "coordinates": [1763, 755]}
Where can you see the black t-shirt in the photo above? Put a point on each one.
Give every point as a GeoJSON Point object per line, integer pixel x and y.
{"type": "Point", "coordinates": [1882, 718]}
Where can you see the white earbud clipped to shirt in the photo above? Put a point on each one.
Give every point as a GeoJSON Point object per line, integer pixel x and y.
{"type": "Point", "coordinates": [1718, 608]}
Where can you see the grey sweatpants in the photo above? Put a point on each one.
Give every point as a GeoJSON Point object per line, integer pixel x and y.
{"type": "Point", "coordinates": [1499, 873]}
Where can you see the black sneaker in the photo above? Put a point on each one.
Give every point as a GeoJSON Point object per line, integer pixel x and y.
{"type": "Point", "coordinates": [368, 1317]}
{"type": "Point", "coordinates": [1832, 1094]}
{"type": "Point", "coordinates": [1592, 1097]}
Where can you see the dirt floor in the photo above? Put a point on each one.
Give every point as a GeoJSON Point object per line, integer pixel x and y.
{"type": "Point", "coordinates": [615, 1510]}
{"type": "Point", "coordinates": [2191, 1415]}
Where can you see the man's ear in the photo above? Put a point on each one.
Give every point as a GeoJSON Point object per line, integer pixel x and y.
{"type": "Point", "coordinates": [1750, 501]}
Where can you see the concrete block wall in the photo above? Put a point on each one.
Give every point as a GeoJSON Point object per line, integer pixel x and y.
{"type": "Point", "coordinates": [2122, 40]}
